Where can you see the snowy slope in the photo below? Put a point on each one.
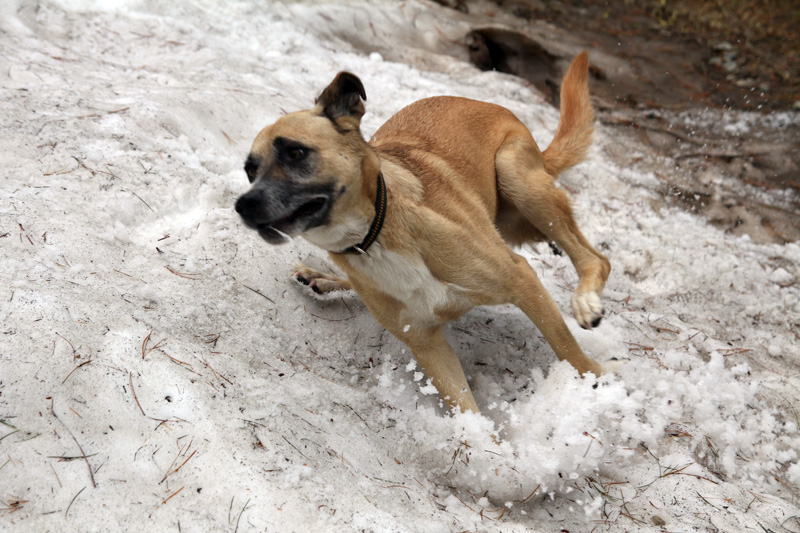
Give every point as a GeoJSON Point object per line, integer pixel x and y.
{"type": "Point", "coordinates": [160, 371]}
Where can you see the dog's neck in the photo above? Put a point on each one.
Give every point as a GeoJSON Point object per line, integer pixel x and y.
{"type": "Point", "coordinates": [377, 221]}
{"type": "Point", "coordinates": [354, 227]}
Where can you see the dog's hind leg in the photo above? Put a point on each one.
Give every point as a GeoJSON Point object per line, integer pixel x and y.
{"type": "Point", "coordinates": [531, 296]}
{"type": "Point", "coordinates": [528, 188]}
{"type": "Point", "coordinates": [317, 281]}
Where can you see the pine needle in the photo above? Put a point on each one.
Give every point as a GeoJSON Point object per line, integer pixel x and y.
{"type": "Point", "coordinates": [73, 501]}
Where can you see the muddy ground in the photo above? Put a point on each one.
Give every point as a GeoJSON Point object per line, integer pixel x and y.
{"type": "Point", "coordinates": [704, 94]}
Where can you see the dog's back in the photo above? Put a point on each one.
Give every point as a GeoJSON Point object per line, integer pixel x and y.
{"type": "Point", "coordinates": [450, 142]}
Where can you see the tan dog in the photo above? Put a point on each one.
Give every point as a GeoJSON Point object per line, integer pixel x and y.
{"type": "Point", "coordinates": [421, 218]}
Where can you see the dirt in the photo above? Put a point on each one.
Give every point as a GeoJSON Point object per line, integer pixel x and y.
{"type": "Point", "coordinates": [707, 93]}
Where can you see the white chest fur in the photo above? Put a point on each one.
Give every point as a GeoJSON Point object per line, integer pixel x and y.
{"type": "Point", "coordinates": [411, 282]}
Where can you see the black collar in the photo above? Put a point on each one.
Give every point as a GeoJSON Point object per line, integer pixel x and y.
{"type": "Point", "coordinates": [377, 222]}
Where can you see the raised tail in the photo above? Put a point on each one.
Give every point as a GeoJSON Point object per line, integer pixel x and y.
{"type": "Point", "coordinates": [575, 127]}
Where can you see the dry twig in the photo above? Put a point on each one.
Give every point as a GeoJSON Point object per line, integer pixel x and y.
{"type": "Point", "coordinates": [259, 293]}
{"type": "Point", "coordinates": [170, 471]}
{"type": "Point", "coordinates": [532, 494]}
{"type": "Point", "coordinates": [146, 349]}
{"type": "Point", "coordinates": [185, 275]}
{"type": "Point", "coordinates": [171, 496]}
{"type": "Point", "coordinates": [83, 453]}
{"type": "Point", "coordinates": [133, 391]}
{"type": "Point", "coordinates": [74, 352]}
{"type": "Point", "coordinates": [76, 368]}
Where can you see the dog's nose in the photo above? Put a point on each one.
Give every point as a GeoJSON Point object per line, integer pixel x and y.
{"type": "Point", "coordinates": [248, 204]}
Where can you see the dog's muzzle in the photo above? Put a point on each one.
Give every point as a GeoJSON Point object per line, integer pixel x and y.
{"type": "Point", "coordinates": [279, 213]}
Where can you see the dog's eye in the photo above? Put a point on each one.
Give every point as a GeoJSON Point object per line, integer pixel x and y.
{"type": "Point", "coordinates": [295, 154]}
{"type": "Point", "coordinates": [287, 151]}
{"type": "Point", "coordinates": [250, 168]}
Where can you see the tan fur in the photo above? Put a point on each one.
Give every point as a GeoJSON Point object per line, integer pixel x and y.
{"type": "Point", "coordinates": [465, 180]}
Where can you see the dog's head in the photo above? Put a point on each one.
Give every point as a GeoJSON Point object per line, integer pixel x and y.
{"type": "Point", "coordinates": [312, 172]}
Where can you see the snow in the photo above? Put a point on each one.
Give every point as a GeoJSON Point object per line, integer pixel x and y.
{"type": "Point", "coordinates": [144, 328]}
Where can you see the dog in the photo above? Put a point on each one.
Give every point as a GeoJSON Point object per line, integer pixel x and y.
{"type": "Point", "coordinates": [422, 218]}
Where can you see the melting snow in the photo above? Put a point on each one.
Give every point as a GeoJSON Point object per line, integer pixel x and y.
{"type": "Point", "coordinates": [160, 370]}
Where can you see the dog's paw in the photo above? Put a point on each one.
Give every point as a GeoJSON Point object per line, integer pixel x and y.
{"type": "Point", "coordinates": [317, 281]}
{"type": "Point", "coordinates": [587, 309]}
{"type": "Point", "coordinates": [304, 279]}
{"type": "Point", "coordinates": [319, 285]}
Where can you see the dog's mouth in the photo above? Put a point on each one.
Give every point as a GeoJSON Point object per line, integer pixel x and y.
{"type": "Point", "coordinates": [307, 215]}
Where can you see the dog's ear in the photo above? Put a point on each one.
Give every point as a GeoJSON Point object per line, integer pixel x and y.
{"type": "Point", "coordinates": [343, 98]}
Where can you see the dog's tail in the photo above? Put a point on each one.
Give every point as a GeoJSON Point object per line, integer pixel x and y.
{"type": "Point", "coordinates": [575, 127]}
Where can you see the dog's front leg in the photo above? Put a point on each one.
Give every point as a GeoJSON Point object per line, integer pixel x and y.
{"type": "Point", "coordinates": [441, 364]}
{"type": "Point", "coordinates": [427, 343]}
